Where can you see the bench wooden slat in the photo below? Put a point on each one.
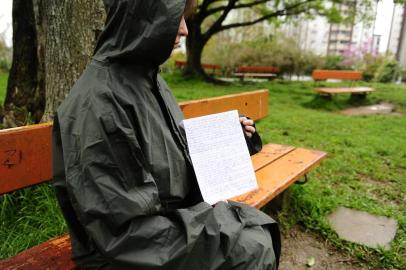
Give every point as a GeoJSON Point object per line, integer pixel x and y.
{"type": "Point", "coordinates": [53, 254]}
{"type": "Point", "coordinates": [253, 104]}
{"type": "Point", "coordinates": [340, 90]}
{"type": "Point", "coordinates": [280, 174]}
{"type": "Point", "coordinates": [26, 155]}
{"type": "Point", "coordinates": [268, 154]}
{"type": "Point", "coordinates": [278, 166]}
{"type": "Point", "coordinates": [320, 74]}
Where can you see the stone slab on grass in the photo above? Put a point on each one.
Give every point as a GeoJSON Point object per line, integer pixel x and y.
{"type": "Point", "coordinates": [383, 108]}
{"type": "Point", "coordinates": [363, 228]}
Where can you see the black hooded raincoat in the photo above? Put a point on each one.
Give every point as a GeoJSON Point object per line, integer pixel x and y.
{"type": "Point", "coordinates": [122, 173]}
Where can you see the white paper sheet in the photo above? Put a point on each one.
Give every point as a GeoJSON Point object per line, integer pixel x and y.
{"type": "Point", "coordinates": [220, 156]}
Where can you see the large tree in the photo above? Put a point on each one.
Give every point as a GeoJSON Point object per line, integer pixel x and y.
{"type": "Point", "coordinates": [214, 16]}
{"type": "Point", "coordinates": [25, 90]}
{"type": "Point", "coordinates": [52, 44]}
{"type": "Point", "coordinates": [71, 30]}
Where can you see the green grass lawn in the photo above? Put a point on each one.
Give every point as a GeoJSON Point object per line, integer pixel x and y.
{"type": "Point", "coordinates": [366, 168]}
{"type": "Point", "coordinates": [3, 87]}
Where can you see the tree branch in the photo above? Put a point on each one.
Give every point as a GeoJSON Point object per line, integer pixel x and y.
{"type": "Point", "coordinates": [288, 11]}
{"type": "Point", "coordinates": [217, 25]}
{"type": "Point", "coordinates": [246, 5]}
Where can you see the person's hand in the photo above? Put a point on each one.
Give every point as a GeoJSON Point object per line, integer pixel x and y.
{"type": "Point", "coordinates": [248, 124]}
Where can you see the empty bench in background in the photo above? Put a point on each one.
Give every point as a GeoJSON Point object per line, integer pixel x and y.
{"type": "Point", "coordinates": [211, 69]}
{"type": "Point", "coordinates": [262, 72]}
{"type": "Point", "coordinates": [26, 160]}
{"type": "Point", "coordinates": [346, 75]}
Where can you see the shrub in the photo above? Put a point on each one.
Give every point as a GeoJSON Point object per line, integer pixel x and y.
{"type": "Point", "coordinates": [4, 65]}
{"type": "Point", "coordinates": [387, 72]}
{"type": "Point", "coordinates": [282, 52]}
{"type": "Point", "coordinates": [169, 65]}
{"type": "Point", "coordinates": [5, 56]}
{"type": "Point", "coordinates": [369, 64]}
{"type": "Point", "coordinates": [335, 62]}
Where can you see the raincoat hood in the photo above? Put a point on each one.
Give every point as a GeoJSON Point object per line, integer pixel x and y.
{"type": "Point", "coordinates": [139, 31]}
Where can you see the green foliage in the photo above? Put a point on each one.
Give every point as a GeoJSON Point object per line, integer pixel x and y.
{"type": "Point", "coordinates": [403, 76]}
{"type": "Point", "coordinates": [169, 66]}
{"type": "Point", "coordinates": [277, 12]}
{"type": "Point", "coordinates": [3, 87]}
{"type": "Point", "coordinates": [5, 55]}
{"type": "Point", "coordinates": [281, 51]}
{"type": "Point", "coordinates": [379, 68]}
{"type": "Point", "coordinates": [369, 64]}
{"type": "Point", "coordinates": [334, 62]}
{"type": "Point", "coordinates": [387, 72]}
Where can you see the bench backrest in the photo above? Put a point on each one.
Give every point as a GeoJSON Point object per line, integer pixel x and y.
{"type": "Point", "coordinates": [257, 69]}
{"type": "Point", "coordinates": [350, 75]}
{"type": "Point", "coordinates": [25, 152]}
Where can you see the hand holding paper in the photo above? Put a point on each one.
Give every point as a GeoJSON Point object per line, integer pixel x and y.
{"type": "Point", "coordinates": [220, 156]}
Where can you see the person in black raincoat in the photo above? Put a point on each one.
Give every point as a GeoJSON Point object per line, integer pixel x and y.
{"type": "Point", "coordinates": [122, 173]}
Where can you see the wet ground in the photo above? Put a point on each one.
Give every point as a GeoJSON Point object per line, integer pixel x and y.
{"type": "Point", "coordinates": [300, 247]}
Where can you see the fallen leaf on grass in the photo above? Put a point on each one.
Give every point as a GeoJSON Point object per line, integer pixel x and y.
{"type": "Point", "coordinates": [310, 261]}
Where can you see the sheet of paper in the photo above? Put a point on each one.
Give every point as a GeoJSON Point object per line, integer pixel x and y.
{"type": "Point", "coordinates": [220, 156]}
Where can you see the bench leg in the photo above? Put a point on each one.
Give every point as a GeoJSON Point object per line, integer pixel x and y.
{"type": "Point", "coordinates": [302, 182]}
{"type": "Point", "coordinates": [358, 96]}
{"type": "Point", "coordinates": [277, 204]}
{"type": "Point", "coordinates": [326, 96]}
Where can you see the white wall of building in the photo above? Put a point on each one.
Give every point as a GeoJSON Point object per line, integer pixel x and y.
{"type": "Point", "coordinates": [363, 39]}
{"type": "Point", "coordinates": [395, 29]}
{"type": "Point", "coordinates": [311, 35]}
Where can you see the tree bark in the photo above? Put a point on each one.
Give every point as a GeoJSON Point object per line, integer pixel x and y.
{"type": "Point", "coordinates": [72, 28]}
{"type": "Point", "coordinates": [25, 91]}
{"type": "Point", "coordinates": [194, 49]}
{"type": "Point", "coordinates": [53, 41]}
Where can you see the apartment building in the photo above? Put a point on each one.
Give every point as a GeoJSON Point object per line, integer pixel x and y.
{"type": "Point", "coordinates": [395, 34]}
{"type": "Point", "coordinates": [324, 38]}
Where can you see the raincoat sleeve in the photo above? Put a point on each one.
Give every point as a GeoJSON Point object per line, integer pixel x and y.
{"type": "Point", "coordinates": [116, 197]}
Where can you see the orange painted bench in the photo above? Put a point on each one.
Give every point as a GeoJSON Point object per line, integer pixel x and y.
{"type": "Point", "coordinates": [266, 72]}
{"type": "Point", "coordinates": [25, 160]}
{"type": "Point", "coordinates": [347, 75]}
{"type": "Point", "coordinates": [210, 68]}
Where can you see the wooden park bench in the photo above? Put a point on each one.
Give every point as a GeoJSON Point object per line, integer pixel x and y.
{"type": "Point", "coordinates": [263, 72]}
{"type": "Point", "coordinates": [347, 75]}
{"type": "Point", "coordinates": [25, 160]}
{"type": "Point", "coordinates": [211, 69]}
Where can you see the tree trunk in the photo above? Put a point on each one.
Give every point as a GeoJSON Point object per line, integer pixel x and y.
{"type": "Point", "coordinates": [53, 41]}
{"type": "Point", "coordinates": [25, 91]}
{"type": "Point", "coordinates": [194, 49]}
{"type": "Point", "coordinates": [195, 43]}
{"type": "Point", "coordinates": [72, 28]}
